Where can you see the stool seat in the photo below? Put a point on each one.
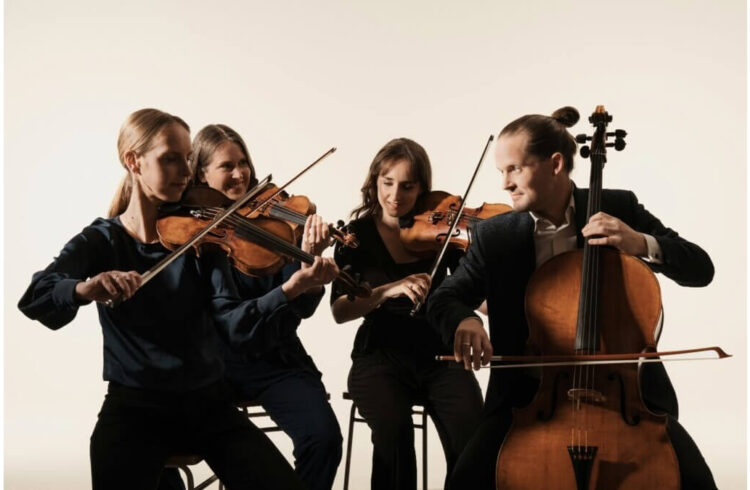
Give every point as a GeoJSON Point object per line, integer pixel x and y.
{"type": "Point", "coordinates": [183, 460]}
{"type": "Point", "coordinates": [248, 404]}
{"type": "Point", "coordinates": [256, 403]}
{"type": "Point", "coordinates": [348, 396]}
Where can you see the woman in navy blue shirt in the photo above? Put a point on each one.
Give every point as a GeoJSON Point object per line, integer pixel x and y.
{"type": "Point", "coordinates": [161, 348]}
{"type": "Point", "coordinates": [274, 367]}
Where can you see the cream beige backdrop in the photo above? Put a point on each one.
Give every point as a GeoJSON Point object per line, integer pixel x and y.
{"type": "Point", "coordinates": [295, 78]}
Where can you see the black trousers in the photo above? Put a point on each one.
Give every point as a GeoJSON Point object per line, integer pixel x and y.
{"type": "Point", "coordinates": [384, 386]}
{"type": "Point", "coordinates": [138, 429]}
{"type": "Point", "coordinates": [476, 466]}
{"type": "Point", "coordinates": [295, 398]}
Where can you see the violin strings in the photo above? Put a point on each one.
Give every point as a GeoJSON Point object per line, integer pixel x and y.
{"type": "Point", "coordinates": [279, 211]}
{"type": "Point", "coordinates": [244, 224]}
{"type": "Point", "coordinates": [282, 212]}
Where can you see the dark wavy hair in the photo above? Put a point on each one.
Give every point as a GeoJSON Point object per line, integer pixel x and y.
{"type": "Point", "coordinates": [393, 151]}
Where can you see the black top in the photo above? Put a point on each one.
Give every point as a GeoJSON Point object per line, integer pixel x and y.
{"type": "Point", "coordinates": [279, 340]}
{"type": "Point", "coordinates": [389, 327]}
{"type": "Point", "coordinates": [164, 337]}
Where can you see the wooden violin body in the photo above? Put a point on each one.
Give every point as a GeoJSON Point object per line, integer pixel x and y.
{"type": "Point", "coordinates": [249, 256]}
{"type": "Point", "coordinates": [256, 247]}
{"type": "Point", "coordinates": [424, 232]}
{"type": "Point", "coordinates": [294, 211]}
{"type": "Point", "coordinates": [290, 209]}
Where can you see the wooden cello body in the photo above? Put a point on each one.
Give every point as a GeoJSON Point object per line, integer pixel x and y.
{"type": "Point", "coordinates": [587, 427]}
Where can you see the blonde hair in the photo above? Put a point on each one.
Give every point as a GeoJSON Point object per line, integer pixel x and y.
{"type": "Point", "coordinates": [205, 144]}
{"type": "Point", "coordinates": [137, 135]}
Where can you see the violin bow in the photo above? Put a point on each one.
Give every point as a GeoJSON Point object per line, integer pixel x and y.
{"type": "Point", "coordinates": [439, 258]}
{"type": "Point", "coordinates": [151, 273]}
{"type": "Point", "coordinates": [596, 359]}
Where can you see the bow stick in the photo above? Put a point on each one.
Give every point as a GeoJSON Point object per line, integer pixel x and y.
{"type": "Point", "coordinates": [595, 359]}
{"type": "Point", "coordinates": [439, 258]}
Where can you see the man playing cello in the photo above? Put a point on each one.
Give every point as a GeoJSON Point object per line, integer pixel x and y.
{"type": "Point", "coordinates": [534, 155]}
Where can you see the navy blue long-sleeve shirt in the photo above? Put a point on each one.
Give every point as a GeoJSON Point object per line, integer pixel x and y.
{"type": "Point", "coordinates": [278, 340]}
{"type": "Point", "coordinates": [165, 336]}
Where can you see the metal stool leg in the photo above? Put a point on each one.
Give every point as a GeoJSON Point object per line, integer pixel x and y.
{"type": "Point", "coordinates": [424, 449]}
{"type": "Point", "coordinates": [188, 477]}
{"type": "Point", "coordinates": [348, 462]}
{"type": "Point", "coordinates": [208, 482]}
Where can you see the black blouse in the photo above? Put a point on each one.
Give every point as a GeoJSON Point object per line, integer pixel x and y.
{"type": "Point", "coordinates": [389, 327]}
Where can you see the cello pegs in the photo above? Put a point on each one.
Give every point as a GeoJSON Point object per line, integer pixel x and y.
{"type": "Point", "coordinates": [619, 144]}
{"type": "Point", "coordinates": [582, 138]}
{"type": "Point", "coordinates": [618, 133]}
{"type": "Point", "coordinates": [585, 151]}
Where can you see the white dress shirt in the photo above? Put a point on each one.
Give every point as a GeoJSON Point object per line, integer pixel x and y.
{"type": "Point", "coordinates": [551, 240]}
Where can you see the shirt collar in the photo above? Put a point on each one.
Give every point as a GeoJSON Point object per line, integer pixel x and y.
{"type": "Point", "coordinates": [543, 224]}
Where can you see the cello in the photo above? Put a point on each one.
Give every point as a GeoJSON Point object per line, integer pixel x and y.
{"type": "Point", "coordinates": [588, 426]}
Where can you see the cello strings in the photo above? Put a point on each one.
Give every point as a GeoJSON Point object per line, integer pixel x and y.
{"type": "Point", "coordinates": [593, 333]}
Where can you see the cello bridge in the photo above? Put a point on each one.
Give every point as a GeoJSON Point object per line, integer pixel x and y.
{"type": "Point", "coordinates": [585, 395]}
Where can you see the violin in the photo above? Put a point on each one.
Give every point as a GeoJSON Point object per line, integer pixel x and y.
{"type": "Point", "coordinates": [221, 215]}
{"type": "Point", "coordinates": [588, 427]}
{"type": "Point", "coordinates": [294, 210]}
{"type": "Point", "coordinates": [426, 228]}
{"type": "Point", "coordinates": [257, 247]}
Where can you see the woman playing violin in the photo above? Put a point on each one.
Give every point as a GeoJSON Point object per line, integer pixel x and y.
{"type": "Point", "coordinates": [393, 364]}
{"type": "Point", "coordinates": [166, 393]}
{"type": "Point", "coordinates": [534, 155]}
{"type": "Point", "coordinates": [274, 367]}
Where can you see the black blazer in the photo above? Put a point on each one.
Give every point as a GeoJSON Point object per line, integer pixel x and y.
{"type": "Point", "coordinates": [498, 265]}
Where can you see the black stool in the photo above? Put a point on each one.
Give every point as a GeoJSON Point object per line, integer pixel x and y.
{"type": "Point", "coordinates": [184, 461]}
{"type": "Point", "coordinates": [416, 410]}
{"type": "Point", "coordinates": [245, 407]}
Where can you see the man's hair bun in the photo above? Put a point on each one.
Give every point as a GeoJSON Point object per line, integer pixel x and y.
{"type": "Point", "coordinates": [567, 116]}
